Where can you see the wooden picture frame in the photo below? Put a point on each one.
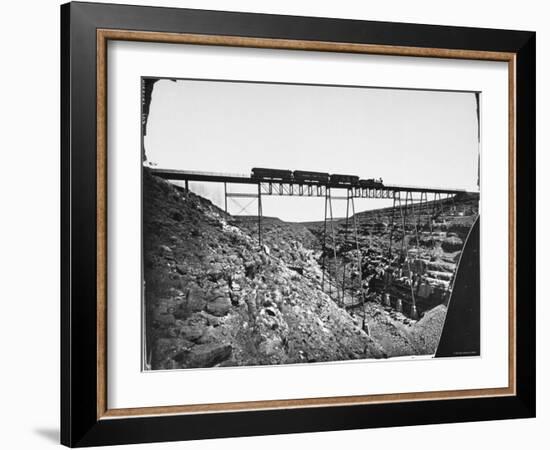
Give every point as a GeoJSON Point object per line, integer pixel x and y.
{"type": "Point", "coordinates": [86, 418]}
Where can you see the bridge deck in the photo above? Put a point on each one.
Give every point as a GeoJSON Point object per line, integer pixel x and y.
{"type": "Point", "coordinates": [295, 189]}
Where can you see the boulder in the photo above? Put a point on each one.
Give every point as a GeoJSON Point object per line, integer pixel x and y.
{"type": "Point", "coordinates": [204, 355]}
{"type": "Point", "coordinates": [452, 244]}
{"type": "Point", "coordinates": [194, 301]}
{"type": "Point", "coordinates": [181, 269]}
{"type": "Point", "coordinates": [250, 268]}
{"type": "Point", "coordinates": [165, 250]}
{"type": "Point", "coordinates": [164, 317]}
{"type": "Point", "coordinates": [164, 350]}
{"type": "Point", "coordinates": [192, 332]}
{"type": "Point", "coordinates": [208, 335]}
{"type": "Point", "coordinates": [216, 272]}
{"type": "Point", "coordinates": [176, 215]}
{"type": "Point", "coordinates": [219, 306]}
{"type": "Point", "coordinates": [271, 347]}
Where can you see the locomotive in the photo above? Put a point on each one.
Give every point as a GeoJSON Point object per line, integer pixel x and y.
{"type": "Point", "coordinates": [371, 183]}
{"type": "Point", "coordinates": [308, 177]}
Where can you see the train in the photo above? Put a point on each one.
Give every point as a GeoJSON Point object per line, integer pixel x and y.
{"type": "Point", "coordinates": [309, 177]}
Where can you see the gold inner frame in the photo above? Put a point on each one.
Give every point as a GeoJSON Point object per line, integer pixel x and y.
{"type": "Point", "coordinates": [104, 35]}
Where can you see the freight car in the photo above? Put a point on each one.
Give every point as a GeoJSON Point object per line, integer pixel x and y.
{"type": "Point", "coordinates": [347, 180]}
{"type": "Point", "coordinates": [302, 176]}
{"type": "Point", "coordinates": [259, 173]}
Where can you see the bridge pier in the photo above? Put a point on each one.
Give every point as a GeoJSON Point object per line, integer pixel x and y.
{"type": "Point", "coordinates": [324, 245]}
{"type": "Point", "coordinates": [225, 195]}
{"type": "Point", "coordinates": [350, 201]}
{"type": "Point", "coordinates": [345, 239]}
{"type": "Point", "coordinates": [260, 212]}
{"type": "Point", "coordinates": [399, 305]}
{"type": "Point", "coordinates": [359, 255]}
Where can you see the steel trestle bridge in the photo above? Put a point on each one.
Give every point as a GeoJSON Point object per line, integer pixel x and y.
{"type": "Point", "coordinates": [406, 199]}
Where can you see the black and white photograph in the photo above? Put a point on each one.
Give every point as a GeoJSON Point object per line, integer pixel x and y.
{"type": "Point", "coordinates": [294, 223]}
{"type": "Point", "coordinates": [275, 225]}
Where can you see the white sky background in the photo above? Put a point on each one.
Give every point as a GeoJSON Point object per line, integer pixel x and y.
{"type": "Point", "coordinates": [407, 137]}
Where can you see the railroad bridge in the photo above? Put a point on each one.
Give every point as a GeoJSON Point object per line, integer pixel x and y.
{"type": "Point", "coordinates": [409, 203]}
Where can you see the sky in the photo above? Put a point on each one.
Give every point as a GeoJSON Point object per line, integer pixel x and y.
{"type": "Point", "coordinates": [406, 137]}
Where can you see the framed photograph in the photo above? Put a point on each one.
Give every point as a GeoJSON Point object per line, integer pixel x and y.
{"type": "Point", "coordinates": [278, 224]}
